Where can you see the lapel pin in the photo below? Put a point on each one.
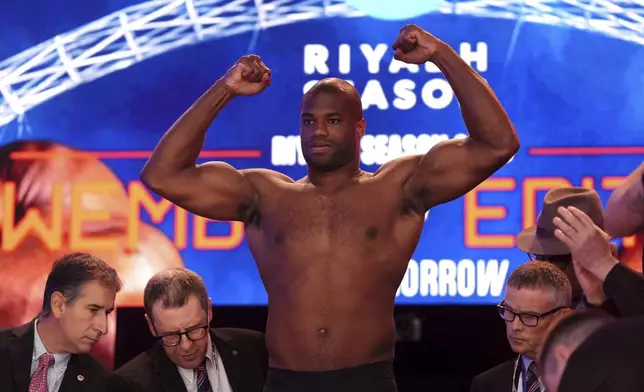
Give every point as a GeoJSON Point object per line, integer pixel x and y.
{"type": "Point", "coordinates": [80, 377]}
{"type": "Point", "coordinates": [234, 352]}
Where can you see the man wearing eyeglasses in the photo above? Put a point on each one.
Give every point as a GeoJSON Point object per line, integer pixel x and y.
{"type": "Point", "coordinates": [537, 293]}
{"type": "Point", "coordinates": [190, 356]}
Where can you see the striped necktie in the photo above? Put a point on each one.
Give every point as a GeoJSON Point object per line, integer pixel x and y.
{"type": "Point", "coordinates": [203, 384]}
{"type": "Point", "coordinates": [532, 378]}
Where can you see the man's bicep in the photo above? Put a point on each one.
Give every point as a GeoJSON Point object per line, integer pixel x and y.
{"type": "Point", "coordinates": [214, 190]}
{"type": "Point", "coordinates": [624, 213]}
{"type": "Point", "coordinates": [452, 168]}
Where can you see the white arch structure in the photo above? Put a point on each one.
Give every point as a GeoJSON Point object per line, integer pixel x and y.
{"type": "Point", "coordinates": [141, 31]}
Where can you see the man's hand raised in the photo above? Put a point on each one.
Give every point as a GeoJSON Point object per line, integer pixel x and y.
{"type": "Point", "coordinates": [248, 76]}
{"type": "Point", "coordinates": [589, 245]}
{"type": "Point", "coordinates": [415, 45]}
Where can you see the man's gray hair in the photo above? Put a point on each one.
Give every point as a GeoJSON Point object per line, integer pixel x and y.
{"type": "Point", "coordinates": [542, 275]}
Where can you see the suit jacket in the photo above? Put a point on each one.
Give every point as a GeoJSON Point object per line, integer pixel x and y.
{"type": "Point", "coordinates": [626, 288]}
{"type": "Point", "coordinates": [243, 353]}
{"type": "Point", "coordinates": [610, 360]}
{"type": "Point", "coordinates": [497, 379]}
{"type": "Point", "coordinates": [83, 372]}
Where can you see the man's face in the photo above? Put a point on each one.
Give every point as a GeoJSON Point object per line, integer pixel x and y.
{"type": "Point", "coordinates": [523, 339]}
{"type": "Point", "coordinates": [84, 320]}
{"type": "Point", "coordinates": [187, 353]}
{"type": "Point", "coordinates": [329, 131]}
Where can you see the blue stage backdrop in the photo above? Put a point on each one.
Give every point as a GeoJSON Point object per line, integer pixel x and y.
{"type": "Point", "coordinates": [87, 88]}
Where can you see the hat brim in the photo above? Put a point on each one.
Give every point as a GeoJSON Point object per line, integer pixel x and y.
{"type": "Point", "coordinates": [529, 242]}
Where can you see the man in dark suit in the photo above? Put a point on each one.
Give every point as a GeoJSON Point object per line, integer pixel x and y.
{"type": "Point", "coordinates": [564, 338]}
{"type": "Point", "coordinates": [610, 360]}
{"type": "Point", "coordinates": [537, 292]}
{"type": "Point", "coordinates": [190, 356]}
{"type": "Point", "coordinates": [51, 352]}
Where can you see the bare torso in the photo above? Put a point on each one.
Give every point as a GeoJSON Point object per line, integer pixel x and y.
{"type": "Point", "coordinates": [331, 264]}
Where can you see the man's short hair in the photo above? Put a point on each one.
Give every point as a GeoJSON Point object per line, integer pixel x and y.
{"type": "Point", "coordinates": [174, 287]}
{"type": "Point", "coordinates": [541, 275]}
{"type": "Point", "coordinates": [71, 272]}
{"type": "Point", "coordinates": [572, 330]}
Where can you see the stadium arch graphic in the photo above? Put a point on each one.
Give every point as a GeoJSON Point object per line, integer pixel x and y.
{"type": "Point", "coordinates": [136, 33]}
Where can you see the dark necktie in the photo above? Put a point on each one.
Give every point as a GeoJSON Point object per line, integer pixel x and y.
{"type": "Point", "coordinates": [532, 378]}
{"type": "Point", "coordinates": [203, 384]}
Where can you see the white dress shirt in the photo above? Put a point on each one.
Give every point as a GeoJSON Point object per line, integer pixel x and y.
{"type": "Point", "coordinates": [215, 369]}
{"type": "Point", "coordinates": [54, 373]}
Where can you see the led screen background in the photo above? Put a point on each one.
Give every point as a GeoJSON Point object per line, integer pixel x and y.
{"type": "Point", "coordinates": [569, 92]}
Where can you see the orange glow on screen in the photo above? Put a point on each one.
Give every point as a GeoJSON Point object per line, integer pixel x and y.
{"type": "Point", "coordinates": [52, 230]}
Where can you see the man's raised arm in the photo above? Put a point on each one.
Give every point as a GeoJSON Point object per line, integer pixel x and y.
{"type": "Point", "coordinates": [624, 213]}
{"type": "Point", "coordinates": [453, 168]}
{"type": "Point", "coordinates": [214, 190]}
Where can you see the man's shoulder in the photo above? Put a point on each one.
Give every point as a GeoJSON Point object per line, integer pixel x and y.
{"type": "Point", "coordinates": [238, 334]}
{"type": "Point", "coordinates": [91, 363]}
{"type": "Point", "coordinates": [102, 379]}
{"type": "Point", "coordinates": [265, 175]}
{"type": "Point", "coordinates": [400, 168]}
{"type": "Point", "coordinates": [93, 370]}
{"type": "Point", "coordinates": [7, 334]}
{"type": "Point", "coordinates": [498, 374]}
{"type": "Point", "coordinates": [137, 366]}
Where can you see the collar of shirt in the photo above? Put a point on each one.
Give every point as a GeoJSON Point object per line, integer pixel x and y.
{"type": "Point", "coordinates": [526, 363]}
{"type": "Point", "coordinates": [189, 374]}
{"type": "Point", "coordinates": [61, 360]}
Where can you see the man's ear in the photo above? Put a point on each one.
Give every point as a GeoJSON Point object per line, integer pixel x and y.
{"type": "Point", "coordinates": [58, 303]}
{"type": "Point", "coordinates": [562, 353]}
{"type": "Point", "coordinates": [361, 127]}
{"type": "Point", "coordinates": [149, 320]}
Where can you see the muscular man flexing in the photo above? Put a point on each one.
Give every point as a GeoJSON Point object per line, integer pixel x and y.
{"type": "Point", "coordinates": [333, 246]}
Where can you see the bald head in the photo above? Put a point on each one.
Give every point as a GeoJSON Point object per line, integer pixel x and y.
{"type": "Point", "coordinates": [343, 89]}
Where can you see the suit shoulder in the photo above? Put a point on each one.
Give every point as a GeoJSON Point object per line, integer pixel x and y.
{"type": "Point", "coordinates": [498, 373]}
{"type": "Point", "coordinates": [136, 366]}
{"type": "Point", "coordinates": [239, 334]}
{"type": "Point", "coordinates": [6, 334]}
{"type": "Point", "coordinates": [93, 365]}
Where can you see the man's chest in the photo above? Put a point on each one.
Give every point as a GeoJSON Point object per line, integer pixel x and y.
{"type": "Point", "coordinates": [356, 215]}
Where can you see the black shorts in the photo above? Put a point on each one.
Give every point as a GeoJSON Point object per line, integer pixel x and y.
{"type": "Point", "coordinates": [374, 377]}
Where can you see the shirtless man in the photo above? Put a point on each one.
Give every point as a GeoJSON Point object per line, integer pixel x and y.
{"type": "Point", "coordinates": [332, 247]}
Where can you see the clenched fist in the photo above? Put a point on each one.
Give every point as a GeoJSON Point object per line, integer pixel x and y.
{"type": "Point", "coordinates": [248, 76]}
{"type": "Point", "coordinates": [415, 45]}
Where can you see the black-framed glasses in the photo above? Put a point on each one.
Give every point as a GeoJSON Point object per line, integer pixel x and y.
{"type": "Point", "coordinates": [194, 334]}
{"type": "Point", "coordinates": [529, 319]}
